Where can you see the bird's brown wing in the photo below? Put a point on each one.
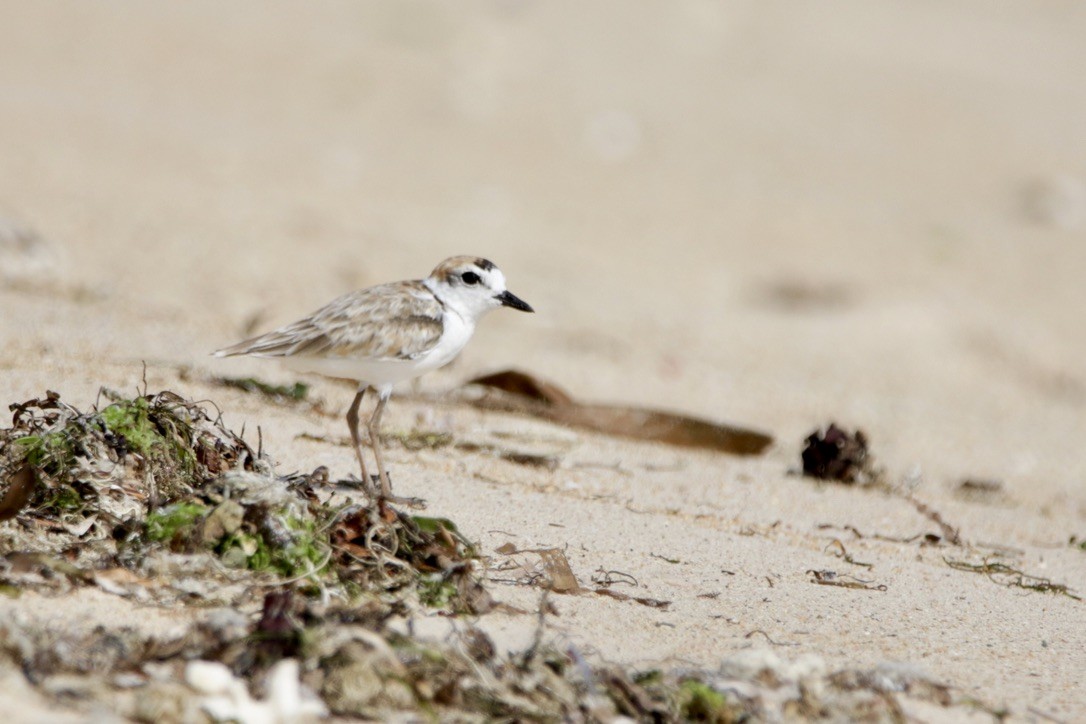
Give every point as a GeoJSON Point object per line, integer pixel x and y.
{"type": "Point", "coordinates": [401, 320]}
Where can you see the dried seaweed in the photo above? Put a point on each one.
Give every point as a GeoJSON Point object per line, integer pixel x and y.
{"type": "Point", "coordinates": [1011, 577]}
{"type": "Point", "coordinates": [752, 634]}
{"type": "Point", "coordinates": [950, 533]}
{"type": "Point", "coordinates": [924, 538]}
{"type": "Point", "coordinates": [612, 578]}
{"type": "Point", "coordinates": [132, 454]}
{"type": "Point", "coordinates": [837, 548]}
{"type": "Point", "coordinates": [157, 473]}
{"type": "Point", "coordinates": [529, 459]}
{"type": "Point", "coordinates": [643, 600]}
{"type": "Point", "coordinates": [553, 573]}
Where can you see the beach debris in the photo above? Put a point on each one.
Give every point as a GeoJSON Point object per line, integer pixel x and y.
{"type": "Point", "coordinates": [226, 698]}
{"type": "Point", "coordinates": [925, 539]}
{"type": "Point", "coordinates": [1011, 577]}
{"type": "Point", "coordinates": [553, 573]}
{"type": "Point", "coordinates": [980, 490]}
{"type": "Point", "coordinates": [892, 679]}
{"type": "Point", "coordinates": [949, 533]}
{"type": "Point", "coordinates": [116, 462]}
{"type": "Point", "coordinates": [355, 661]}
{"type": "Point", "coordinates": [643, 600]}
{"type": "Point", "coordinates": [612, 578]}
{"type": "Point", "coordinates": [294, 595]}
{"type": "Point", "coordinates": [837, 548]}
{"type": "Point", "coordinates": [17, 489]}
{"type": "Point", "coordinates": [770, 641]}
{"type": "Point", "coordinates": [419, 439]}
{"type": "Point", "coordinates": [557, 572]}
{"type": "Point", "coordinates": [282, 394]}
{"type": "Point", "coordinates": [836, 454]}
{"type": "Point", "coordinates": [843, 580]}
{"type": "Point", "coordinates": [156, 474]}
{"type": "Point", "coordinates": [760, 684]}
{"type": "Point", "coordinates": [518, 457]}
{"type": "Point", "coordinates": [604, 579]}
{"type": "Point", "coordinates": [800, 295]}
{"type": "Point", "coordinates": [524, 393]}
{"type": "Point", "coordinates": [699, 701]}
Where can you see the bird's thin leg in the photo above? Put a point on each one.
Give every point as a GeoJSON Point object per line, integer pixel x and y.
{"type": "Point", "coordinates": [352, 422]}
{"type": "Point", "coordinates": [375, 443]}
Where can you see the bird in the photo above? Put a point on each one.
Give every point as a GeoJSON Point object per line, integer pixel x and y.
{"type": "Point", "coordinates": [386, 334]}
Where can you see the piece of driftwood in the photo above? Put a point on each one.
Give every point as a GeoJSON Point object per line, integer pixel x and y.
{"type": "Point", "coordinates": [515, 391]}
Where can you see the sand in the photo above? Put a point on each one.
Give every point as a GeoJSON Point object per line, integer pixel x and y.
{"type": "Point", "coordinates": [767, 213]}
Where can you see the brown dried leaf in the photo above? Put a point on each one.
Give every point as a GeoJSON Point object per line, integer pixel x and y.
{"type": "Point", "coordinates": [527, 394]}
{"type": "Point", "coordinates": [527, 386]}
{"type": "Point", "coordinates": [619, 596]}
{"type": "Point", "coordinates": [20, 486]}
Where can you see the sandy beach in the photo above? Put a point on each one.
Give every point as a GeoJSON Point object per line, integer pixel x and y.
{"type": "Point", "coordinates": [770, 214]}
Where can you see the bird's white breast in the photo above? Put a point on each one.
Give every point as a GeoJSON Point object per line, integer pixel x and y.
{"type": "Point", "coordinates": [455, 335]}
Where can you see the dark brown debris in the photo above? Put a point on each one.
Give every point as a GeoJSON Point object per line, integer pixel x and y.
{"type": "Point", "coordinates": [643, 600]}
{"type": "Point", "coordinates": [1011, 577]}
{"type": "Point", "coordinates": [981, 490]}
{"type": "Point", "coordinates": [17, 490]}
{"type": "Point", "coordinates": [515, 391]}
{"type": "Point", "coordinates": [836, 454]}
{"type": "Point", "coordinates": [925, 539]}
{"type": "Point", "coordinates": [797, 295]}
{"type": "Point", "coordinates": [837, 548]}
{"type": "Point", "coordinates": [951, 534]}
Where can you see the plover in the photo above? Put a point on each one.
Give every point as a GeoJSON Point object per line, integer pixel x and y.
{"type": "Point", "coordinates": [387, 334]}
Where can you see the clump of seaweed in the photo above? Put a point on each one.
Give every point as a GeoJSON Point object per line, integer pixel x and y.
{"type": "Point", "coordinates": [157, 474]}
{"type": "Point", "coordinates": [110, 463]}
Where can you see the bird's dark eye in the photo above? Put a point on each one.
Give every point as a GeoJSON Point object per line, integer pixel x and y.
{"type": "Point", "coordinates": [470, 277]}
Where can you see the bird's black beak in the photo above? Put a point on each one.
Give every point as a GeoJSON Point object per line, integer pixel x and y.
{"type": "Point", "coordinates": [508, 299]}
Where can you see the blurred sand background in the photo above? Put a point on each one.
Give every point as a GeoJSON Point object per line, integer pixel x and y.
{"type": "Point", "coordinates": [770, 213]}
